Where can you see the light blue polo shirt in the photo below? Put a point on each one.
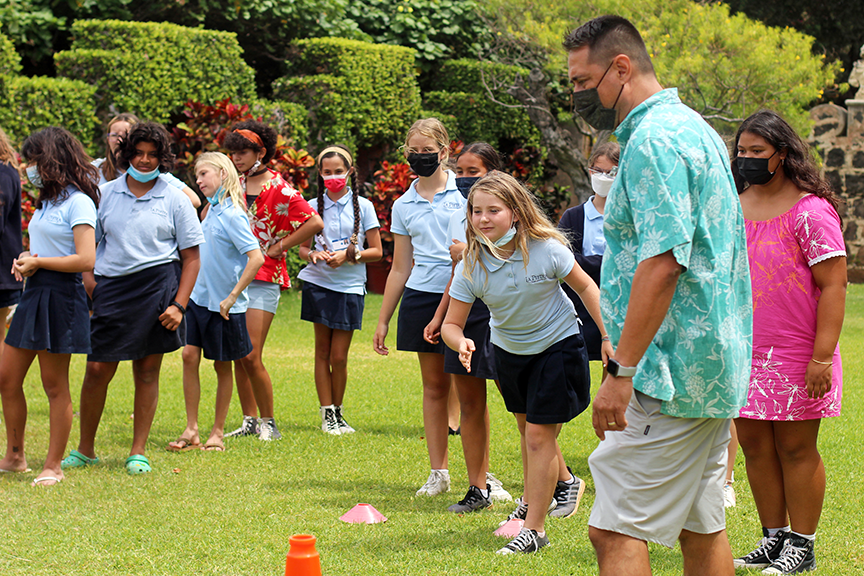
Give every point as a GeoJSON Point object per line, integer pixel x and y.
{"type": "Point", "coordinates": [223, 256]}
{"type": "Point", "coordinates": [338, 219]}
{"type": "Point", "coordinates": [138, 233]}
{"type": "Point", "coordinates": [458, 225]}
{"type": "Point", "coordinates": [167, 176]}
{"type": "Point", "coordinates": [426, 223]}
{"type": "Point", "coordinates": [51, 226]}
{"type": "Point", "coordinates": [593, 241]}
{"type": "Point", "coordinates": [529, 309]}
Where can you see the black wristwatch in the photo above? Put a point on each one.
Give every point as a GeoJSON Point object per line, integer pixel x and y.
{"type": "Point", "coordinates": [179, 307]}
{"type": "Point", "coordinates": [619, 371]}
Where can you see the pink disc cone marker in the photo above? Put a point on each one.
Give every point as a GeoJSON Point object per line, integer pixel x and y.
{"type": "Point", "coordinates": [510, 529]}
{"type": "Point", "coordinates": [363, 514]}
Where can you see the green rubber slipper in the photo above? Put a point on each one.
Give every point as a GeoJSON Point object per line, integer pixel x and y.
{"type": "Point", "coordinates": [78, 460]}
{"type": "Point", "coordinates": [137, 464]}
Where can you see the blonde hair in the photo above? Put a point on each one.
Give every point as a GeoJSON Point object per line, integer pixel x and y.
{"type": "Point", "coordinates": [530, 221]}
{"type": "Point", "coordinates": [431, 128]}
{"type": "Point", "coordinates": [230, 179]}
{"type": "Point", "coordinates": [7, 152]}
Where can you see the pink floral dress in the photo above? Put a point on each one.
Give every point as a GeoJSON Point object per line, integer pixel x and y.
{"type": "Point", "coordinates": [785, 296]}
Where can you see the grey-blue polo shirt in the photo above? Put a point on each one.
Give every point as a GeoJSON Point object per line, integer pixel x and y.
{"type": "Point", "coordinates": [138, 233]}
{"type": "Point", "coordinates": [529, 310]}
{"type": "Point", "coordinates": [426, 223]}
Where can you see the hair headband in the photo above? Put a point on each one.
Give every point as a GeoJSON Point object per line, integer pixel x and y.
{"type": "Point", "coordinates": [341, 151]}
{"type": "Point", "coordinates": [251, 136]}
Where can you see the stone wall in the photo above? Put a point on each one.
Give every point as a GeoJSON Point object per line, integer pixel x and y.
{"type": "Point", "coordinates": [838, 135]}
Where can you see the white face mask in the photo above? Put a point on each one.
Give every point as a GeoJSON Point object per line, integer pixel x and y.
{"type": "Point", "coordinates": [601, 183]}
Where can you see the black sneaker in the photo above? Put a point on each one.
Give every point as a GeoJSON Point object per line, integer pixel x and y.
{"type": "Point", "coordinates": [249, 427]}
{"type": "Point", "coordinates": [473, 501]}
{"type": "Point", "coordinates": [456, 432]}
{"type": "Point", "coordinates": [567, 497]}
{"type": "Point", "coordinates": [525, 542]}
{"type": "Point", "coordinates": [521, 511]}
{"type": "Point", "coordinates": [796, 557]}
{"type": "Point", "coordinates": [766, 553]}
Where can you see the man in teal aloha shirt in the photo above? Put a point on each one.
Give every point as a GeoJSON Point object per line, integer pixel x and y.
{"type": "Point", "coordinates": [676, 299]}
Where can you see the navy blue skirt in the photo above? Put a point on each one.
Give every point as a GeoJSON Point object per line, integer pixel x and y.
{"type": "Point", "coordinates": [333, 309]}
{"type": "Point", "coordinates": [125, 323]}
{"type": "Point", "coordinates": [220, 339]}
{"type": "Point", "coordinates": [483, 359]}
{"type": "Point", "coordinates": [52, 315]}
{"type": "Point", "coordinates": [415, 312]}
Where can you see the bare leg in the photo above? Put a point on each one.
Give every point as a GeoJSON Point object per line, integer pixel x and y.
{"type": "Point", "coordinates": [732, 453]}
{"type": "Point", "coordinates": [475, 427]}
{"type": "Point", "coordinates": [340, 343]}
{"type": "Point", "coordinates": [55, 381]}
{"type": "Point", "coordinates": [764, 471]}
{"type": "Point", "coordinates": [542, 471]}
{"type": "Point", "coordinates": [191, 392]}
{"type": "Point", "coordinates": [4, 313]}
{"type": "Point", "coordinates": [436, 390]}
{"type": "Point", "coordinates": [94, 389]}
{"type": "Point", "coordinates": [244, 391]}
{"type": "Point", "coordinates": [145, 373]}
{"type": "Point", "coordinates": [453, 418]}
{"type": "Point", "coordinates": [563, 474]}
{"type": "Point", "coordinates": [224, 385]}
{"type": "Point", "coordinates": [323, 383]}
{"type": "Point", "coordinates": [706, 554]}
{"type": "Point", "coordinates": [803, 472]}
{"type": "Point", "coordinates": [14, 364]}
{"type": "Point", "coordinates": [521, 423]}
{"type": "Point", "coordinates": [258, 324]}
{"type": "Point", "coordinates": [619, 554]}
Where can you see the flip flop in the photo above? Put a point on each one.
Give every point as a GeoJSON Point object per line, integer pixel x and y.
{"type": "Point", "coordinates": [183, 445]}
{"type": "Point", "coordinates": [39, 481]}
{"type": "Point", "coordinates": [78, 460]}
{"type": "Point", "coordinates": [2, 471]}
{"type": "Point", "coordinates": [213, 447]}
{"type": "Point", "coordinates": [137, 464]}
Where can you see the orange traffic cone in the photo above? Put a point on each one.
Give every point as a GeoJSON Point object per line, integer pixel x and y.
{"type": "Point", "coordinates": [303, 559]}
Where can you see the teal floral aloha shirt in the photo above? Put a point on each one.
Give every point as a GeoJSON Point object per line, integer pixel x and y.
{"type": "Point", "coordinates": [674, 191]}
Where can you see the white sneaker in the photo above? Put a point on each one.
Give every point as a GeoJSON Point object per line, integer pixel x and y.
{"type": "Point", "coordinates": [329, 424]}
{"type": "Point", "coordinates": [728, 496]}
{"type": "Point", "coordinates": [438, 483]}
{"type": "Point", "coordinates": [496, 490]}
{"type": "Point", "coordinates": [344, 427]}
{"type": "Point", "coordinates": [269, 431]}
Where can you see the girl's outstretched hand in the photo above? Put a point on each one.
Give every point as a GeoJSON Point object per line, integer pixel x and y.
{"type": "Point", "coordinates": [466, 350]}
{"type": "Point", "coordinates": [378, 339]}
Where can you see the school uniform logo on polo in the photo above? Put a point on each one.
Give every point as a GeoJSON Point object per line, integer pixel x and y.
{"type": "Point", "coordinates": [452, 205]}
{"type": "Point", "coordinates": [54, 219]}
{"type": "Point", "coordinates": [535, 278]}
{"type": "Point", "coordinates": [159, 211]}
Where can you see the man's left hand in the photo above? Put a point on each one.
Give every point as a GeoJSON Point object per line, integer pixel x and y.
{"type": "Point", "coordinates": [610, 405]}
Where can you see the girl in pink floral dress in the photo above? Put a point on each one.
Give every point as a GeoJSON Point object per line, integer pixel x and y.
{"type": "Point", "coordinates": [798, 269]}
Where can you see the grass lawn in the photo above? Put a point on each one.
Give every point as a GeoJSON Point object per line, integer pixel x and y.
{"type": "Point", "coordinates": [233, 512]}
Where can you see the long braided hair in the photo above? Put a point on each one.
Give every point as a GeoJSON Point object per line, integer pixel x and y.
{"type": "Point", "coordinates": [338, 150]}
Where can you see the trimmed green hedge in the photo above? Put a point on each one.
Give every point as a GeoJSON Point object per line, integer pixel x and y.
{"type": "Point", "coordinates": [358, 94]}
{"type": "Point", "coordinates": [152, 69]}
{"type": "Point", "coordinates": [461, 94]}
{"type": "Point", "coordinates": [288, 119]}
{"type": "Point", "coordinates": [29, 104]}
{"type": "Point", "coordinates": [10, 62]}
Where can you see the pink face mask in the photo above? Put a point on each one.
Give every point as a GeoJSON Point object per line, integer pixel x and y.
{"type": "Point", "coordinates": [334, 183]}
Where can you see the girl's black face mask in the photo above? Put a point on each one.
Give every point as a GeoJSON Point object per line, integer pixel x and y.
{"type": "Point", "coordinates": [755, 170]}
{"type": "Point", "coordinates": [464, 183]}
{"type": "Point", "coordinates": [424, 164]}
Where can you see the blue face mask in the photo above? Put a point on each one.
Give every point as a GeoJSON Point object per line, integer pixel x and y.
{"type": "Point", "coordinates": [142, 177]}
{"type": "Point", "coordinates": [33, 176]}
{"type": "Point", "coordinates": [503, 240]}
{"type": "Point", "coordinates": [217, 197]}
{"type": "Point", "coordinates": [464, 183]}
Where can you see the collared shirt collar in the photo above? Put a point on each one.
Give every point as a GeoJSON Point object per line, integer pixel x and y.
{"type": "Point", "coordinates": [591, 210]}
{"type": "Point", "coordinates": [625, 129]}
{"type": "Point", "coordinates": [411, 194]}
{"type": "Point", "coordinates": [328, 202]}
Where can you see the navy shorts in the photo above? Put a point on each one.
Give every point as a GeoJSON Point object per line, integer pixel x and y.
{"type": "Point", "coordinates": [483, 358]}
{"type": "Point", "coordinates": [551, 387]}
{"type": "Point", "coordinates": [415, 312]}
{"type": "Point", "coordinates": [220, 339]}
{"type": "Point", "coordinates": [9, 298]}
{"type": "Point", "coordinates": [335, 310]}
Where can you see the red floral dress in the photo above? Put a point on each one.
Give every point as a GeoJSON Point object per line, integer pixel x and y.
{"type": "Point", "coordinates": [275, 214]}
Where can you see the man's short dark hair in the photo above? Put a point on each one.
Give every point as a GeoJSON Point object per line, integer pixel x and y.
{"type": "Point", "coordinates": [608, 36]}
